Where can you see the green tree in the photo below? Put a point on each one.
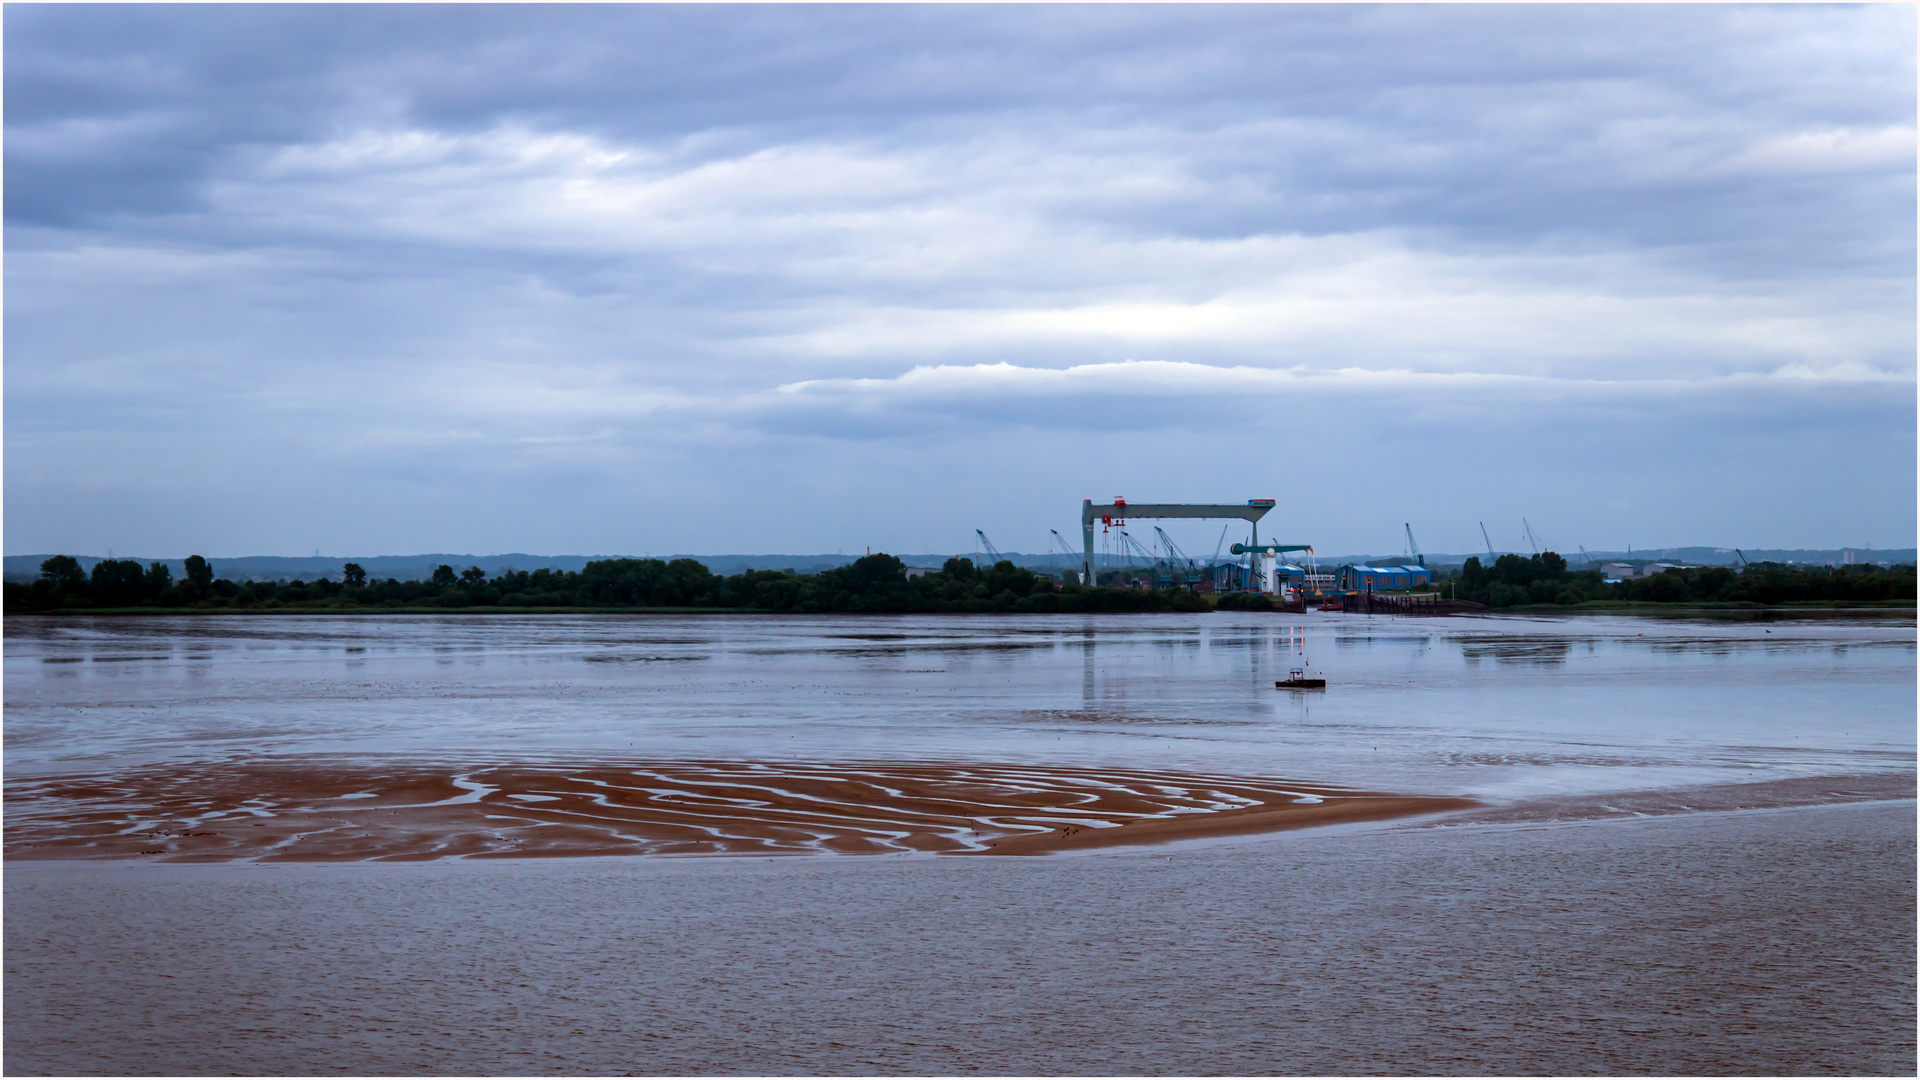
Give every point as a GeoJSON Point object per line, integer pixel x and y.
{"type": "Point", "coordinates": [118, 582]}
{"type": "Point", "coordinates": [354, 574]}
{"type": "Point", "coordinates": [199, 574]}
{"type": "Point", "coordinates": [63, 573]}
{"type": "Point", "coordinates": [443, 576]}
{"type": "Point", "coordinates": [159, 578]}
{"type": "Point", "coordinates": [472, 576]}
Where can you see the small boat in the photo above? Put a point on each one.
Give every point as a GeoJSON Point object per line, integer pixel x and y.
{"type": "Point", "coordinates": [1297, 680]}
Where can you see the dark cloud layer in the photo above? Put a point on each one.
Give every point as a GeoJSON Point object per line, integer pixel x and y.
{"type": "Point", "coordinates": [1487, 124]}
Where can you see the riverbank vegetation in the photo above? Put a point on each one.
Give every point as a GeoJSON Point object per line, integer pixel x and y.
{"type": "Point", "coordinates": [1545, 579]}
{"type": "Point", "coordinates": [875, 583]}
{"type": "Point", "coordinates": [879, 583]}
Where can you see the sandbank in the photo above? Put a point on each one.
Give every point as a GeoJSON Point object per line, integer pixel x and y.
{"type": "Point", "coordinates": [309, 810]}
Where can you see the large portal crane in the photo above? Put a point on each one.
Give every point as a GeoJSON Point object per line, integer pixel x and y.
{"type": "Point", "coordinates": [1532, 542]}
{"type": "Point", "coordinates": [1116, 513]}
{"type": "Point", "coordinates": [1413, 548]}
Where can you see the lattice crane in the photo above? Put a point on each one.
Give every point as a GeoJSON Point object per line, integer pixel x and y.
{"type": "Point", "coordinates": [986, 545]}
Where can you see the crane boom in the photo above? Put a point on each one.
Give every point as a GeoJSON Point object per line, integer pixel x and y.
{"type": "Point", "coordinates": [986, 545]}
{"type": "Point", "coordinates": [1173, 549]}
{"type": "Point", "coordinates": [1488, 539]}
{"type": "Point", "coordinates": [1412, 547]}
{"type": "Point", "coordinates": [1532, 542]}
{"type": "Point", "coordinates": [1065, 548]}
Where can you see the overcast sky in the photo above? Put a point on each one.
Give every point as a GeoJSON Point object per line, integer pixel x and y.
{"type": "Point", "coordinates": [373, 280]}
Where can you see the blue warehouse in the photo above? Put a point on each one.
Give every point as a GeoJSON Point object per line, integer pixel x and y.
{"type": "Point", "coordinates": [1359, 578]}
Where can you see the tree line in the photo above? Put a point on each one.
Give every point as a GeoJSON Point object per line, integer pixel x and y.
{"type": "Point", "coordinates": [1546, 579]}
{"type": "Point", "coordinates": [879, 583]}
{"type": "Point", "coordinates": [874, 583]}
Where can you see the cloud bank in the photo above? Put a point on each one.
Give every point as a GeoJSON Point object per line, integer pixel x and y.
{"type": "Point", "coordinates": [388, 279]}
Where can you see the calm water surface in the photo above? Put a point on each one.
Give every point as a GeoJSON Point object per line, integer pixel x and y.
{"type": "Point", "coordinates": [1760, 941]}
{"type": "Point", "coordinates": [1497, 707]}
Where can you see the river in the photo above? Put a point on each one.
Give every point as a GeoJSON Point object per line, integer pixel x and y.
{"type": "Point", "coordinates": [1691, 850]}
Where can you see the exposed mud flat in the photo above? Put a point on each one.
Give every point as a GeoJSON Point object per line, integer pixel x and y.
{"type": "Point", "coordinates": [330, 811]}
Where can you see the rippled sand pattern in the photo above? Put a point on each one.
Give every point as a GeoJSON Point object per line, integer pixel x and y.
{"type": "Point", "coordinates": [322, 812]}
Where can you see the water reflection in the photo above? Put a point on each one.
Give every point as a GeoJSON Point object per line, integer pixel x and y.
{"type": "Point", "coordinates": [1409, 702]}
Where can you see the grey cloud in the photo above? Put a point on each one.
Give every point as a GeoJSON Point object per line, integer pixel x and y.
{"type": "Point", "coordinates": [1502, 125]}
{"type": "Point", "coordinates": [212, 281]}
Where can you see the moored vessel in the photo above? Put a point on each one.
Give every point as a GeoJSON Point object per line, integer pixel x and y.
{"type": "Point", "coordinates": [1297, 680]}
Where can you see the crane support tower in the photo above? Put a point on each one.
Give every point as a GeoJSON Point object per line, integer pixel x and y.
{"type": "Point", "coordinates": [1119, 510]}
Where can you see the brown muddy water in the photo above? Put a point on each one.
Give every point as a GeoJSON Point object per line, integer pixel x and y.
{"type": "Point", "coordinates": [1665, 846]}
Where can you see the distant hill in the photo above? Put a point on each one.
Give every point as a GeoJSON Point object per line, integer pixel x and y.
{"type": "Point", "coordinates": [417, 567]}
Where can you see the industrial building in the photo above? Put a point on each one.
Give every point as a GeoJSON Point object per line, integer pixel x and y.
{"type": "Point", "coordinates": [1620, 571]}
{"type": "Point", "coordinates": [1359, 578]}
